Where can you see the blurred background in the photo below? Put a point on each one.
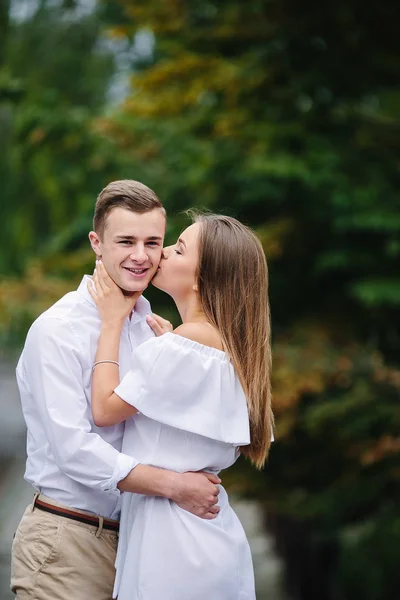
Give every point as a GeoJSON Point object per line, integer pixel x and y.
{"type": "Point", "coordinates": [287, 116]}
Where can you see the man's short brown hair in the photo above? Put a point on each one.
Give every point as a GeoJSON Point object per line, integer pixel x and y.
{"type": "Point", "coordinates": [126, 193]}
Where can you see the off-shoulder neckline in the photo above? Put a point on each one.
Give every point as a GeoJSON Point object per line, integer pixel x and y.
{"type": "Point", "coordinates": [202, 348]}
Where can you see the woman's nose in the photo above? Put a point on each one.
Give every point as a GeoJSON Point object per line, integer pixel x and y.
{"type": "Point", "coordinates": [165, 252]}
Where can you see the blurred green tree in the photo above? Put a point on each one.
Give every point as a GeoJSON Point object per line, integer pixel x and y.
{"type": "Point", "coordinates": [55, 72]}
{"type": "Point", "coordinates": [287, 117]}
{"type": "Point", "coordinates": [284, 117]}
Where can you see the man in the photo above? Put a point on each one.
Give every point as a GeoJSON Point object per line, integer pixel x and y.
{"type": "Point", "coordinates": [65, 545]}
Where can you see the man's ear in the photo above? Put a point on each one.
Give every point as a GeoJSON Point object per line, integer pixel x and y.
{"type": "Point", "coordinates": [95, 243]}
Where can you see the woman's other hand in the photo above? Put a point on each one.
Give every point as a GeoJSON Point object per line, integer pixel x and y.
{"type": "Point", "coordinates": [114, 307]}
{"type": "Point", "coordinates": [159, 325]}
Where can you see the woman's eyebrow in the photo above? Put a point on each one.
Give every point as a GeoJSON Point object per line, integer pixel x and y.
{"type": "Point", "coordinates": [181, 241]}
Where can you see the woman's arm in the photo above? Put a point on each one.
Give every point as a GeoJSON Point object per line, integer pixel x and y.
{"type": "Point", "coordinates": [108, 408]}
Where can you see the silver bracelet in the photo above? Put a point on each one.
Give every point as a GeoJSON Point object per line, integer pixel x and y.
{"type": "Point", "coordinates": [99, 362]}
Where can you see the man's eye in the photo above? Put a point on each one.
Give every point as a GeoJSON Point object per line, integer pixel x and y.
{"type": "Point", "coordinates": [155, 244]}
{"type": "Point", "coordinates": [124, 242]}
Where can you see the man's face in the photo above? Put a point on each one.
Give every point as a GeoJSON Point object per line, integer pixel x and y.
{"type": "Point", "coordinates": [131, 247]}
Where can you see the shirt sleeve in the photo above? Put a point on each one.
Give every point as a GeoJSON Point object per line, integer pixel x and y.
{"type": "Point", "coordinates": [189, 386]}
{"type": "Point", "coordinates": [52, 370]}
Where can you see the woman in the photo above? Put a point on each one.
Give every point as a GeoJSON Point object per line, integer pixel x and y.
{"type": "Point", "coordinates": [194, 400]}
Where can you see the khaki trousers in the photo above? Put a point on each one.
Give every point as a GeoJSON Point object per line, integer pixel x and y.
{"type": "Point", "coordinates": [56, 558]}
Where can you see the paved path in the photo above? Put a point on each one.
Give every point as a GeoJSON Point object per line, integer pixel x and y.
{"type": "Point", "coordinates": [15, 494]}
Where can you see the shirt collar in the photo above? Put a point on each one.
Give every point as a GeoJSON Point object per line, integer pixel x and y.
{"type": "Point", "coordinates": [142, 306]}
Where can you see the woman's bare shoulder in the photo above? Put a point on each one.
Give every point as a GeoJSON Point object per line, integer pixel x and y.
{"type": "Point", "coordinates": [202, 333]}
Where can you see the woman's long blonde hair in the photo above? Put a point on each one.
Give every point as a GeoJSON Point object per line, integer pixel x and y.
{"type": "Point", "coordinates": [233, 291]}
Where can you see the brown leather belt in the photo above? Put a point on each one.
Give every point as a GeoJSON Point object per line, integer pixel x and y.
{"type": "Point", "coordinates": [69, 514]}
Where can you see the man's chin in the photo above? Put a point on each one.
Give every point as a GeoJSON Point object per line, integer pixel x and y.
{"type": "Point", "coordinates": [133, 288]}
{"type": "Point", "coordinates": [131, 292]}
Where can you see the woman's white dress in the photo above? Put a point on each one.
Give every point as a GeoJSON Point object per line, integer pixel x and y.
{"type": "Point", "coordinates": [193, 416]}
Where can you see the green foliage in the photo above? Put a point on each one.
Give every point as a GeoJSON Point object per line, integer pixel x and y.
{"type": "Point", "coordinates": [53, 83]}
{"type": "Point", "coordinates": [380, 541]}
{"type": "Point", "coordinates": [261, 111]}
{"type": "Point", "coordinates": [287, 118]}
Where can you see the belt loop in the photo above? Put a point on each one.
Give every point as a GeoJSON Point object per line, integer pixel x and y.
{"type": "Point", "coordinates": [100, 529]}
{"type": "Point", "coordinates": [35, 497]}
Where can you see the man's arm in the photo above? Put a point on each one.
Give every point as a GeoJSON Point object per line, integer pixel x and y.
{"type": "Point", "coordinates": [53, 369]}
{"type": "Point", "coordinates": [194, 492]}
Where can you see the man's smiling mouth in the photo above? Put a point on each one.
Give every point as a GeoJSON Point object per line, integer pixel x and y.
{"type": "Point", "coordinates": [137, 272]}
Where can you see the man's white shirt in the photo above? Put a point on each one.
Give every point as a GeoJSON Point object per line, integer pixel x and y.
{"type": "Point", "coordinates": [69, 459]}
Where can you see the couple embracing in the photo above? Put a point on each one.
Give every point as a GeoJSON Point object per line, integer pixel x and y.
{"type": "Point", "coordinates": [130, 423]}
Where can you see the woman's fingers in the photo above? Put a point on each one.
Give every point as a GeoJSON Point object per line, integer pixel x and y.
{"type": "Point", "coordinates": [104, 276]}
{"type": "Point", "coordinates": [154, 325]}
{"type": "Point", "coordinates": [99, 279]}
{"type": "Point", "coordinates": [95, 288]}
{"type": "Point", "coordinates": [96, 283]}
{"type": "Point", "coordinates": [161, 321]}
{"type": "Point", "coordinates": [158, 324]}
{"type": "Point", "coordinates": [92, 289]}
